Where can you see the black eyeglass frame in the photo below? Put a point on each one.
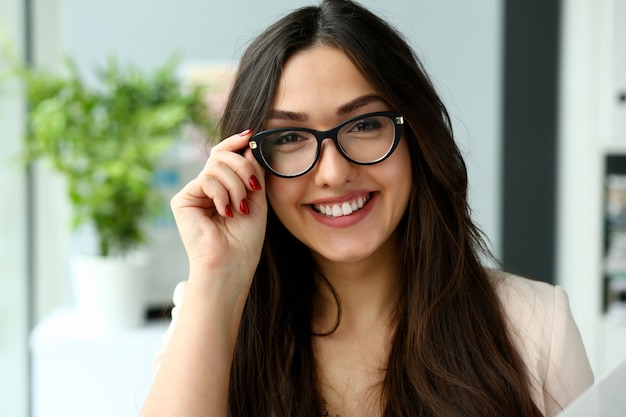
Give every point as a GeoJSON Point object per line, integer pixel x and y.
{"type": "Point", "coordinates": [255, 141]}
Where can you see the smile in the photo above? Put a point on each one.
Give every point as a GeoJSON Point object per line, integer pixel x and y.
{"type": "Point", "coordinates": [342, 209]}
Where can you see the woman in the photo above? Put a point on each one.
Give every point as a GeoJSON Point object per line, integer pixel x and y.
{"type": "Point", "coordinates": [334, 267]}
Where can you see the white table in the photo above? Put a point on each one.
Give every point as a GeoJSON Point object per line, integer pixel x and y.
{"type": "Point", "coordinates": [79, 370]}
{"type": "Point", "coordinates": [605, 399]}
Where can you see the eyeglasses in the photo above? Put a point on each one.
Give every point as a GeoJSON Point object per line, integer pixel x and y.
{"type": "Point", "coordinates": [365, 140]}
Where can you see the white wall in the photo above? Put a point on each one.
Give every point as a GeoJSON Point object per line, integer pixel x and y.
{"type": "Point", "coordinates": [460, 43]}
{"type": "Point", "coordinates": [13, 305]}
{"type": "Point", "coordinates": [52, 212]}
{"type": "Point", "coordinates": [583, 137]}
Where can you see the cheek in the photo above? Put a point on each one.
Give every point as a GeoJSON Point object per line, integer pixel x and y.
{"type": "Point", "coordinates": [399, 170]}
{"type": "Point", "coordinates": [399, 178]}
{"type": "Point", "coordinates": [272, 188]}
{"type": "Point", "coordinates": [283, 194]}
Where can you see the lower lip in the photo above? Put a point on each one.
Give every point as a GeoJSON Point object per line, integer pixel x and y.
{"type": "Point", "coordinates": [345, 221]}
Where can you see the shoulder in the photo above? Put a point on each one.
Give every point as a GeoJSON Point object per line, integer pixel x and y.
{"type": "Point", "coordinates": [543, 329]}
{"type": "Point", "coordinates": [524, 300]}
{"type": "Point", "coordinates": [513, 287]}
{"type": "Point", "coordinates": [529, 310]}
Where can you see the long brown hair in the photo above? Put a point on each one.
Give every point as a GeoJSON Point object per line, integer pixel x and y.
{"type": "Point", "coordinates": [451, 354]}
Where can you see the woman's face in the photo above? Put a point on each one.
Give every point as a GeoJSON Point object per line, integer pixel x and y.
{"type": "Point", "coordinates": [319, 88]}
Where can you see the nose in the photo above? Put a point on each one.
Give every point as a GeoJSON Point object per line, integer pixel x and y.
{"type": "Point", "coordinates": [332, 169]}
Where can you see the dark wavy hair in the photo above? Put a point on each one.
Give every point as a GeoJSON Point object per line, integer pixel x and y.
{"type": "Point", "coordinates": [451, 354]}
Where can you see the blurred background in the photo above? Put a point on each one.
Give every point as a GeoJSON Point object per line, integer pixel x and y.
{"type": "Point", "coordinates": [537, 95]}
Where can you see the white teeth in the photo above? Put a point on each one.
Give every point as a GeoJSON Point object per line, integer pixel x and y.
{"type": "Point", "coordinates": [344, 209]}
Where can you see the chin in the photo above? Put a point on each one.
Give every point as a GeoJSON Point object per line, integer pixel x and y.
{"type": "Point", "coordinates": [345, 256]}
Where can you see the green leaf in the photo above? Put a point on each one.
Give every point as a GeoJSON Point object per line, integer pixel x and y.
{"type": "Point", "coordinates": [107, 140]}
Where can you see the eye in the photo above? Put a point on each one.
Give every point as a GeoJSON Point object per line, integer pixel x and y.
{"type": "Point", "coordinates": [288, 141]}
{"type": "Point", "coordinates": [287, 138]}
{"type": "Point", "coordinates": [365, 125]}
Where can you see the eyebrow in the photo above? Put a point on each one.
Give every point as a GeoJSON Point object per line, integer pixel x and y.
{"type": "Point", "coordinates": [358, 103]}
{"type": "Point", "coordinates": [342, 110]}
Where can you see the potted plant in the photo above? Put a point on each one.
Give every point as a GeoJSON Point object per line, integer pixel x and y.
{"type": "Point", "coordinates": [106, 139]}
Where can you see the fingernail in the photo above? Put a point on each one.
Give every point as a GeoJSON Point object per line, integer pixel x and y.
{"type": "Point", "coordinates": [243, 206]}
{"type": "Point", "coordinates": [254, 183]}
{"type": "Point", "coordinates": [228, 211]}
{"type": "Point", "coordinates": [245, 132]}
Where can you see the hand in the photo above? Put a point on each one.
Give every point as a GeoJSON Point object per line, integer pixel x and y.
{"type": "Point", "coordinates": [222, 213]}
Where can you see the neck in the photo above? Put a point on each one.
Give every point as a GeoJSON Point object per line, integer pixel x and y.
{"type": "Point", "coordinates": [368, 291]}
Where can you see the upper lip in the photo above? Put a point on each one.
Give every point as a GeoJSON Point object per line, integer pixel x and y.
{"type": "Point", "coordinates": [340, 199]}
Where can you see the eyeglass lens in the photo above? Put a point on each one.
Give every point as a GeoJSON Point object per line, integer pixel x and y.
{"type": "Point", "coordinates": [366, 140]}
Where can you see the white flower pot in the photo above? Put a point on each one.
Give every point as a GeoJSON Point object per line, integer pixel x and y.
{"type": "Point", "coordinates": [110, 291]}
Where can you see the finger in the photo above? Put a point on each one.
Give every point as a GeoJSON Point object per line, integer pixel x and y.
{"type": "Point", "coordinates": [250, 173]}
{"type": "Point", "coordinates": [242, 162]}
{"type": "Point", "coordinates": [234, 143]}
{"type": "Point", "coordinates": [225, 186]}
{"type": "Point", "coordinates": [225, 179]}
{"type": "Point", "coordinates": [256, 177]}
{"type": "Point", "coordinates": [195, 194]}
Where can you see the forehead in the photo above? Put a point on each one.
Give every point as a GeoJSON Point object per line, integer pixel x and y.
{"type": "Point", "coordinates": [321, 77]}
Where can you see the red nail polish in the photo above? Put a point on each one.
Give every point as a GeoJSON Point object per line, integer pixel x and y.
{"type": "Point", "coordinates": [228, 211]}
{"type": "Point", "coordinates": [254, 183]}
{"type": "Point", "coordinates": [243, 206]}
{"type": "Point", "coordinates": [245, 132]}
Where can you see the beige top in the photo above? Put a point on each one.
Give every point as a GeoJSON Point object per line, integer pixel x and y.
{"type": "Point", "coordinates": [543, 330]}
{"type": "Point", "coordinates": [548, 339]}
